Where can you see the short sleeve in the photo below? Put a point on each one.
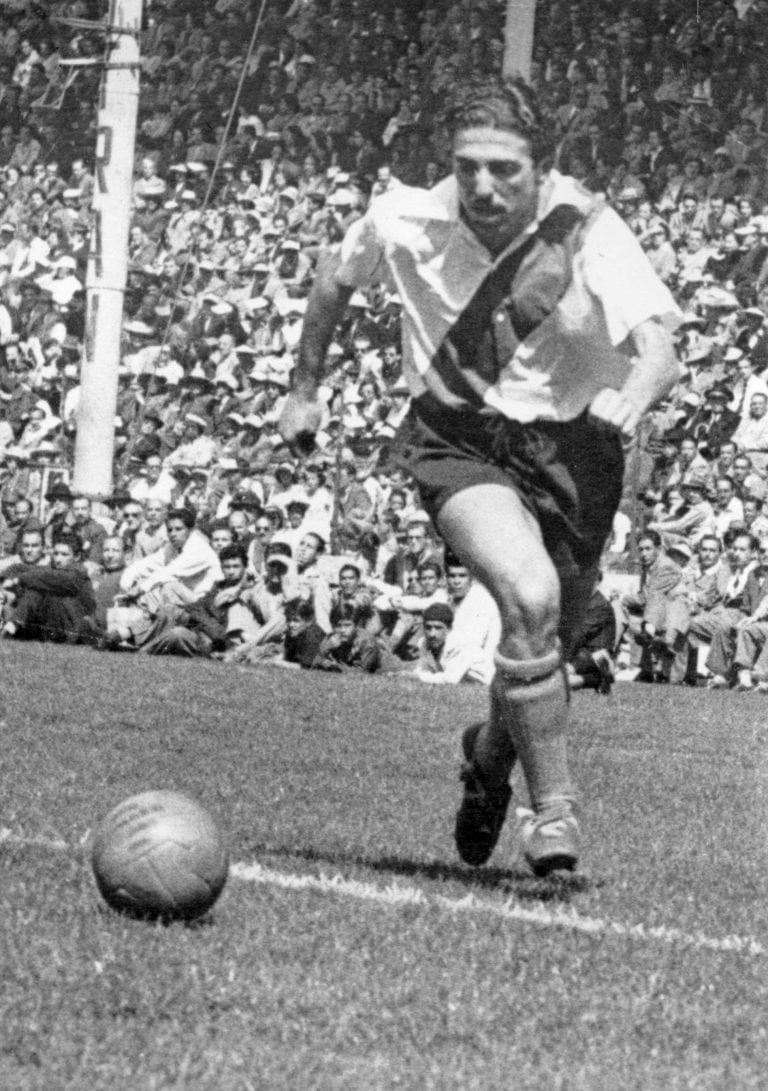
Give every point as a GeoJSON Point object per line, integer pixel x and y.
{"type": "Point", "coordinates": [362, 255]}
{"type": "Point", "coordinates": [617, 271]}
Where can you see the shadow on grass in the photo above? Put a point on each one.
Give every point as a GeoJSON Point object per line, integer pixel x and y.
{"type": "Point", "coordinates": [511, 881]}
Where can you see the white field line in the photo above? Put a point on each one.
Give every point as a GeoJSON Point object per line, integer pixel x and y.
{"type": "Point", "coordinates": [399, 894]}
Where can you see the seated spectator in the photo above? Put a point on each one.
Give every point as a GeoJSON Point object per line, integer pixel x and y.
{"type": "Point", "coordinates": [52, 604]}
{"type": "Point", "coordinates": [702, 588]}
{"type": "Point", "coordinates": [177, 575]}
{"type": "Point", "coordinates": [691, 522]}
{"type": "Point", "coordinates": [590, 664]}
{"type": "Point", "coordinates": [201, 628]}
{"type": "Point", "coordinates": [303, 637]}
{"type": "Point", "coordinates": [728, 612]}
{"type": "Point", "coordinates": [410, 607]}
{"type": "Point", "coordinates": [730, 659]}
{"type": "Point", "coordinates": [647, 609]}
{"type": "Point", "coordinates": [349, 647]}
{"type": "Point", "coordinates": [443, 660]}
{"type": "Point", "coordinates": [312, 584]}
{"type": "Point", "coordinates": [106, 583]}
{"type": "Point", "coordinates": [257, 622]}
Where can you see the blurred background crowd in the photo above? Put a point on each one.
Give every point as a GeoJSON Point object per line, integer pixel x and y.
{"type": "Point", "coordinates": [254, 153]}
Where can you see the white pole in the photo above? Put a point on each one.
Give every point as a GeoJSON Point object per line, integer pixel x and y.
{"type": "Point", "coordinates": [108, 257]}
{"type": "Point", "coordinates": [518, 38]}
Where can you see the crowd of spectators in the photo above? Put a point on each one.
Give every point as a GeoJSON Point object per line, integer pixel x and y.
{"type": "Point", "coordinates": [250, 163]}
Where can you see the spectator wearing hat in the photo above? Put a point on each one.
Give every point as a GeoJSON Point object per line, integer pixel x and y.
{"type": "Point", "coordinates": [752, 338]}
{"type": "Point", "coordinates": [196, 448]}
{"type": "Point", "coordinates": [717, 422]}
{"type": "Point", "coordinates": [659, 250]}
{"type": "Point", "coordinates": [59, 498]}
{"type": "Point", "coordinates": [694, 520]}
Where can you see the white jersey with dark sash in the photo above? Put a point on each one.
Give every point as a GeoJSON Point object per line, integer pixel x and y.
{"type": "Point", "coordinates": [532, 334]}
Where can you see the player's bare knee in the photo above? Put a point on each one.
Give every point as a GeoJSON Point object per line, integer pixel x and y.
{"type": "Point", "coordinates": [530, 619]}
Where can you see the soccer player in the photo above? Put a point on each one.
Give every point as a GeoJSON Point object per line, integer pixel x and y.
{"type": "Point", "coordinates": [535, 336]}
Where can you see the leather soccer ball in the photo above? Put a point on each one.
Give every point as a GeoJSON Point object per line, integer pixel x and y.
{"type": "Point", "coordinates": [159, 855]}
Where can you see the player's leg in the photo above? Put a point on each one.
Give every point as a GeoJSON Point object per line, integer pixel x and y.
{"type": "Point", "coordinates": [498, 539]}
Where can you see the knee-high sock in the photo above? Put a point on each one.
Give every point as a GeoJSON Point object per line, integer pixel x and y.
{"type": "Point", "coordinates": [494, 750]}
{"type": "Point", "coordinates": [532, 700]}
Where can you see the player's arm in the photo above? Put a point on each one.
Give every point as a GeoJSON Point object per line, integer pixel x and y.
{"type": "Point", "coordinates": [325, 309]}
{"type": "Point", "coordinates": [654, 372]}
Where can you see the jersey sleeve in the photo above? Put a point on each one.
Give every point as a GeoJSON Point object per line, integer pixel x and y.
{"type": "Point", "coordinates": [362, 254]}
{"type": "Point", "coordinates": [617, 271]}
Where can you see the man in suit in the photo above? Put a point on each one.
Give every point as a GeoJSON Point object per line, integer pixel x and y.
{"type": "Point", "coordinates": [659, 576]}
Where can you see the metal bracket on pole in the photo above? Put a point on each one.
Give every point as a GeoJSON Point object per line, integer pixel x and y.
{"type": "Point", "coordinates": [98, 64]}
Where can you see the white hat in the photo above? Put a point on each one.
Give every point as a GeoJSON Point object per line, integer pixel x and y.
{"type": "Point", "coordinates": [342, 198]}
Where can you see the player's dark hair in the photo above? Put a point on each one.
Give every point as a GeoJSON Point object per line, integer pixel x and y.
{"type": "Point", "coordinates": [348, 611]}
{"type": "Point", "coordinates": [710, 538]}
{"type": "Point", "coordinates": [431, 565]}
{"type": "Point", "coordinates": [510, 105]}
{"type": "Point", "coordinates": [299, 610]}
{"type": "Point", "coordinates": [68, 539]}
{"type": "Point", "coordinates": [232, 553]}
{"type": "Point", "coordinates": [651, 536]}
{"type": "Point", "coordinates": [349, 568]}
{"type": "Point", "coordinates": [184, 515]}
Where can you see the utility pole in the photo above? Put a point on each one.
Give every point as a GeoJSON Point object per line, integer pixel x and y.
{"type": "Point", "coordinates": [108, 256]}
{"type": "Point", "coordinates": [518, 38]}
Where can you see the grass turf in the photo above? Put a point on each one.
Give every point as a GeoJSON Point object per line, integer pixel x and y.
{"type": "Point", "coordinates": [315, 774]}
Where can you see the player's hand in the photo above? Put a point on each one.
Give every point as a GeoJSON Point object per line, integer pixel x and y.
{"type": "Point", "coordinates": [611, 408]}
{"type": "Point", "coordinates": [300, 421]}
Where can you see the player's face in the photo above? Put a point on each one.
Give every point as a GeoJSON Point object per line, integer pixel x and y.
{"type": "Point", "coordinates": [498, 183]}
{"type": "Point", "coordinates": [62, 556]}
{"type": "Point", "coordinates": [31, 548]}
{"type": "Point", "coordinates": [741, 552]}
{"type": "Point", "coordinates": [221, 538]}
{"type": "Point", "coordinates": [233, 570]}
{"type": "Point", "coordinates": [112, 556]}
{"type": "Point", "coordinates": [348, 582]}
{"type": "Point", "coordinates": [458, 579]}
{"type": "Point", "coordinates": [178, 532]}
{"type": "Point", "coordinates": [429, 581]}
{"type": "Point", "coordinates": [345, 631]}
{"type": "Point", "coordinates": [435, 633]}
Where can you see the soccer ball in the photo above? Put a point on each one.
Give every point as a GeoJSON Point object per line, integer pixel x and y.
{"type": "Point", "coordinates": [159, 855]}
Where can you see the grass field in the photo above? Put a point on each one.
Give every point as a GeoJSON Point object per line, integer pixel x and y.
{"type": "Point", "coordinates": [350, 949]}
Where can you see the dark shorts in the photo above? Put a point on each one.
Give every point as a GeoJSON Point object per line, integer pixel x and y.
{"type": "Point", "coordinates": [568, 474]}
